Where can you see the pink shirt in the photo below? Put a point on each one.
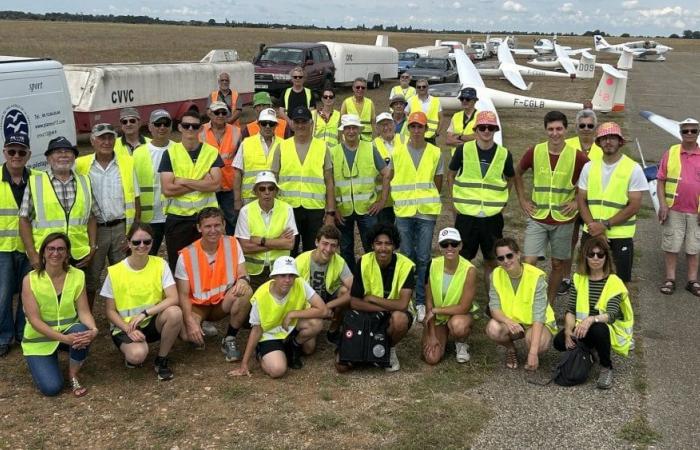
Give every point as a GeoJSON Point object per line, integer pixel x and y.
{"type": "Point", "coordinates": [688, 188]}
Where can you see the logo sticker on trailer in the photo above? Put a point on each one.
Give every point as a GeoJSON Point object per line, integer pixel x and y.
{"type": "Point", "coordinates": [14, 120]}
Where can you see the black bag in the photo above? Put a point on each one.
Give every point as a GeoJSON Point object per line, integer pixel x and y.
{"type": "Point", "coordinates": [574, 366]}
{"type": "Point", "coordinates": [364, 338]}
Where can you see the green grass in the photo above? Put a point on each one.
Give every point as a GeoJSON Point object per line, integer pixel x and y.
{"type": "Point", "coordinates": [639, 432]}
{"type": "Point", "coordinates": [325, 421]}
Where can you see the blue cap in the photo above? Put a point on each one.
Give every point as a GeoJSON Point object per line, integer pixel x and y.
{"type": "Point", "coordinates": [468, 93]}
{"type": "Point", "coordinates": [60, 143]}
{"type": "Point", "coordinates": [17, 139]}
{"type": "Point", "coordinates": [300, 113]}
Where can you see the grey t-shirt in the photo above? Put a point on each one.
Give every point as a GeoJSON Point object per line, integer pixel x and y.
{"type": "Point", "coordinates": [539, 306]}
{"type": "Point", "coordinates": [317, 273]}
{"type": "Point", "coordinates": [379, 162]}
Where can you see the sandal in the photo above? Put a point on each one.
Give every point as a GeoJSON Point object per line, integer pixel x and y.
{"type": "Point", "coordinates": [77, 388]}
{"type": "Point", "coordinates": [511, 359]}
{"type": "Point", "coordinates": [693, 287]}
{"type": "Point", "coordinates": [669, 287]}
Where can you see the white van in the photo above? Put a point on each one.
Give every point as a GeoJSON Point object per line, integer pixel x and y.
{"type": "Point", "coordinates": [34, 100]}
{"type": "Point", "coordinates": [372, 62]}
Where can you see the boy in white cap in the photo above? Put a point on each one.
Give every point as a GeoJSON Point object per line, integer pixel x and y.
{"type": "Point", "coordinates": [286, 317]}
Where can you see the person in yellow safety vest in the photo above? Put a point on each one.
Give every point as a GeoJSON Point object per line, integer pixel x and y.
{"type": "Point", "coordinates": [361, 106]}
{"type": "Point", "coordinates": [304, 169]}
{"type": "Point", "coordinates": [228, 96]}
{"type": "Point", "coordinates": [599, 312]}
{"type": "Point", "coordinates": [131, 138]}
{"type": "Point", "coordinates": [226, 138]}
{"type": "Point", "coordinates": [285, 318]}
{"type": "Point", "coordinates": [586, 123]}
{"type": "Point", "coordinates": [480, 176]}
{"type": "Point", "coordinates": [58, 317]}
{"type": "Point", "coordinates": [679, 190]}
{"type": "Point", "coordinates": [449, 298]}
{"type": "Point", "coordinates": [190, 174]}
{"type": "Point", "coordinates": [357, 165]}
{"type": "Point", "coordinates": [115, 190]}
{"type": "Point", "coordinates": [430, 106]}
{"type": "Point", "coordinates": [609, 197]}
{"type": "Point", "coordinates": [14, 264]}
{"type": "Point", "coordinates": [327, 119]}
{"type": "Point", "coordinates": [552, 211]}
{"type": "Point", "coordinates": [212, 283]}
{"type": "Point", "coordinates": [297, 95]}
{"type": "Point", "coordinates": [404, 87]}
{"type": "Point", "coordinates": [141, 303]}
{"type": "Point", "coordinates": [384, 281]}
{"type": "Point", "coordinates": [415, 190]}
{"type": "Point", "coordinates": [461, 128]}
{"type": "Point", "coordinates": [519, 307]}
{"type": "Point", "coordinates": [262, 101]}
{"type": "Point", "coordinates": [146, 162]}
{"type": "Point", "coordinates": [385, 142]}
{"type": "Point", "coordinates": [329, 275]}
{"type": "Point", "coordinates": [398, 105]}
{"type": "Point", "coordinates": [266, 229]}
{"type": "Point", "coordinates": [59, 200]}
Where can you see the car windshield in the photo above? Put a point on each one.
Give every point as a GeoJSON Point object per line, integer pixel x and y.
{"type": "Point", "coordinates": [431, 63]}
{"type": "Point", "coordinates": [477, 46]}
{"type": "Point", "coordinates": [282, 55]}
{"type": "Point", "coordinates": [408, 56]}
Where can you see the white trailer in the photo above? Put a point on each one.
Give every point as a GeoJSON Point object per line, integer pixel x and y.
{"type": "Point", "coordinates": [99, 91]}
{"type": "Point", "coordinates": [431, 51]}
{"type": "Point", "coordinates": [373, 62]}
{"type": "Point", "coordinates": [34, 100]}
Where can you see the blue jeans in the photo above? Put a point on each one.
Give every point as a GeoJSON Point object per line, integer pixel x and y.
{"type": "Point", "coordinates": [13, 267]}
{"type": "Point", "coordinates": [347, 237]}
{"type": "Point", "coordinates": [225, 199]}
{"type": "Point", "coordinates": [45, 369]}
{"type": "Point", "coordinates": [417, 243]}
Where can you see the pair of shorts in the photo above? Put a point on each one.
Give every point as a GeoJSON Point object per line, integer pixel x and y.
{"type": "Point", "coordinates": [149, 331]}
{"type": "Point", "coordinates": [679, 230]}
{"type": "Point", "coordinates": [479, 233]}
{"type": "Point", "coordinates": [538, 235]}
{"type": "Point", "coordinates": [274, 345]}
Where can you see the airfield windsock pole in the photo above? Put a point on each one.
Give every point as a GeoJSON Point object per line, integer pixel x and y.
{"type": "Point", "coordinates": [650, 174]}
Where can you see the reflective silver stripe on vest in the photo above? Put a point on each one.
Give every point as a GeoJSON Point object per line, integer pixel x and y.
{"type": "Point", "coordinates": [9, 212]}
{"type": "Point", "coordinates": [361, 197]}
{"type": "Point", "coordinates": [292, 194]}
{"type": "Point", "coordinates": [252, 260]}
{"type": "Point", "coordinates": [673, 180]}
{"type": "Point", "coordinates": [134, 311]}
{"type": "Point", "coordinates": [69, 320]}
{"type": "Point", "coordinates": [147, 188]}
{"type": "Point", "coordinates": [553, 189]}
{"type": "Point", "coordinates": [9, 233]}
{"type": "Point", "coordinates": [129, 205]}
{"type": "Point", "coordinates": [580, 315]}
{"type": "Point", "coordinates": [411, 187]}
{"type": "Point", "coordinates": [37, 340]}
{"type": "Point", "coordinates": [299, 179]}
{"type": "Point", "coordinates": [356, 181]}
{"type": "Point", "coordinates": [146, 207]}
{"type": "Point", "coordinates": [467, 184]}
{"type": "Point", "coordinates": [186, 205]}
{"type": "Point", "coordinates": [416, 201]}
{"type": "Point", "coordinates": [479, 202]}
{"type": "Point", "coordinates": [606, 203]}
{"type": "Point", "coordinates": [196, 273]}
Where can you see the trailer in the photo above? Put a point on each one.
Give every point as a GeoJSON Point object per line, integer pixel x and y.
{"type": "Point", "coordinates": [99, 91]}
{"type": "Point", "coordinates": [375, 63]}
{"type": "Point", "coordinates": [431, 51]}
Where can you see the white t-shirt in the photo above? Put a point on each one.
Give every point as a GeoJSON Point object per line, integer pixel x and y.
{"type": "Point", "coordinates": [255, 313]}
{"type": "Point", "coordinates": [107, 290]}
{"type": "Point", "coordinates": [638, 181]}
{"type": "Point", "coordinates": [158, 206]}
{"type": "Point", "coordinates": [181, 272]}
{"type": "Point", "coordinates": [425, 104]}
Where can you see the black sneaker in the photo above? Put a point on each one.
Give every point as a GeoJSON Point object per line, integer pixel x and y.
{"type": "Point", "coordinates": [333, 337]}
{"type": "Point", "coordinates": [294, 356]}
{"type": "Point", "coordinates": [162, 369]}
{"type": "Point", "coordinates": [564, 287]}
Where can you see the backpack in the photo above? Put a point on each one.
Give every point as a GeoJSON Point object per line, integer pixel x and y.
{"type": "Point", "coordinates": [574, 366]}
{"type": "Point", "coordinates": [364, 338]}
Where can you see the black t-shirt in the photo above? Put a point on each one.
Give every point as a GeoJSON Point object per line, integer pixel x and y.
{"type": "Point", "coordinates": [299, 99]}
{"type": "Point", "coordinates": [167, 166]}
{"type": "Point", "coordinates": [358, 287]}
{"type": "Point", "coordinates": [485, 158]}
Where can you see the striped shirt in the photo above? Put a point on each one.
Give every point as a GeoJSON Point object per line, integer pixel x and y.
{"type": "Point", "coordinates": [595, 288]}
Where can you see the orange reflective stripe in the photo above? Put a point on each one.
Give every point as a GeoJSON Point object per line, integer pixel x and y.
{"type": "Point", "coordinates": [209, 284]}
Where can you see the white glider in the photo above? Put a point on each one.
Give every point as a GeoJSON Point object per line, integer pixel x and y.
{"type": "Point", "coordinates": [546, 47]}
{"type": "Point", "coordinates": [666, 124]}
{"type": "Point", "coordinates": [640, 49]}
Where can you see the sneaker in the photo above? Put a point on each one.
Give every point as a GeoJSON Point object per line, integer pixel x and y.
{"type": "Point", "coordinates": [229, 348]}
{"type": "Point", "coordinates": [564, 286]}
{"type": "Point", "coordinates": [209, 329]}
{"type": "Point", "coordinates": [605, 379]}
{"type": "Point", "coordinates": [394, 364]}
{"type": "Point", "coordinates": [420, 313]}
{"type": "Point", "coordinates": [294, 357]}
{"type": "Point", "coordinates": [162, 369]}
{"type": "Point", "coordinates": [462, 349]}
{"type": "Point", "coordinates": [333, 337]}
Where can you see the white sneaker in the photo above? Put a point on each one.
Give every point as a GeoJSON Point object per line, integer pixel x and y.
{"type": "Point", "coordinates": [209, 329]}
{"type": "Point", "coordinates": [393, 360]}
{"type": "Point", "coordinates": [462, 349]}
{"type": "Point", "coordinates": [420, 313]}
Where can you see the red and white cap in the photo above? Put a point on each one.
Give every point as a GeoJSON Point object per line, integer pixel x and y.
{"type": "Point", "coordinates": [486, 118]}
{"type": "Point", "coordinates": [609, 128]}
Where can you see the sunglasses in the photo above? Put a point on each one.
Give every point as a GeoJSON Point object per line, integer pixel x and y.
{"type": "Point", "coordinates": [131, 121]}
{"type": "Point", "coordinates": [491, 128]}
{"type": "Point", "coordinates": [13, 152]}
{"type": "Point", "coordinates": [421, 87]}
{"type": "Point", "coordinates": [453, 244]}
{"type": "Point", "coordinates": [583, 126]}
{"type": "Point", "coordinates": [507, 256]}
{"type": "Point", "coordinates": [220, 112]}
{"type": "Point", "coordinates": [360, 88]}
{"type": "Point", "coordinates": [224, 80]}
{"type": "Point", "coordinates": [267, 188]}
{"type": "Point", "coordinates": [163, 124]}
{"type": "Point", "coordinates": [416, 125]}
{"type": "Point", "coordinates": [464, 99]}
{"type": "Point", "coordinates": [691, 131]}
{"type": "Point", "coordinates": [137, 242]}
{"type": "Point", "coordinates": [105, 126]}
{"type": "Point", "coordinates": [59, 250]}
{"type": "Point", "coordinates": [329, 97]}
{"type": "Point", "coordinates": [297, 77]}
{"type": "Point", "coordinates": [190, 126]}
{"type": "Point", "coordinates": [265, 123]}
{"type": "Point", "coordinates": [599, 255]}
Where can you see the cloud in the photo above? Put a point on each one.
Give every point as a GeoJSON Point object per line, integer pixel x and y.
{"type": "Point", "coordinates": [456, 5]}
{"type": "Point", "coordinates": [566, 8]}
{"type": "Point", "coordinates": [679, 24]}
{"type": "Point", "coordinates": [511, 5]}
{"type": "Point", "coordinates": [662, 12]}
{"type": "Point", "coordinates": [630, 4]}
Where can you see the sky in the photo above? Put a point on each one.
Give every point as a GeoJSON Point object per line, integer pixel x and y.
{"type": "Point", "coordinates": [636, 17]}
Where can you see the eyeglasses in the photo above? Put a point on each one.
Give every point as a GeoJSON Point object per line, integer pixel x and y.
{"type": "Point", "coordinates": [360, 88]}
{"type": "Point", "coordinates": [491, 128]}
{"type": "Point", "coordinates": [137, 242]}
{"type": "Point", "coordinates": [190, 126]}
{"type": "Point", "coordinates": [224, 80]}
{"type": "Point", "coordinates": [599, 255]}
{"type": "Point", "coordinates": [421, 87]}
{"type": "Point", "coordinates": [267, 124]}
{"type": "Point", "coordinates": [13, 152]}
{"type": "Point", "coordinates": [131, 121]}
{"type": "Point", "coordinates": [583, 126]}
{"type": "Point", "coordinates": [267, 188]}
{"type": "Point", "coordinates": [690, 131]}
{"type": "Point", "coordinates": [163, 124]}
{"type": "Point", "coordinates": [453, 244]}
{"type": "Point", "coordinates": [297, 77]}
{"type": "Point", "coordinates": [329, 97]}
{"type": "Point", "coordinates": [405, 77]}
{"type": "Point", "coordinates": [59, 250]}
{"type": "Point", "coordinates": [507, 256]}
{"type": "Point", "coordinates": [220, 112]}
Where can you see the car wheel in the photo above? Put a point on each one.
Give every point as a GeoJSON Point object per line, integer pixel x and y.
{"type": "Point", "coordinates": [376, 81]}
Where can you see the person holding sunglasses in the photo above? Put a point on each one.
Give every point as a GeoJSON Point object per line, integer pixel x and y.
{"type": "Point", "coordinates": [361, 106]}
{"type": "Point", "coordinates": [461, 128]}
{"type": "Point", "coordinates": [679, 188]}
{"type": "Point", "coordinates": [263, 101]}
{"type": "Point", "coordinates": [404, 88]}
{"type": "Point", "coordinates": [297, 95]}
{"type": "Point", "coordinates": [519, 307]}
{"type": "Point", "coordinates": [599, 312]}
{"type": "Point", "coordinates": [449, 299]}
{"type": "Point", "coordinates": [14, 264]}
{"type": "Point", "coordinates": [430, 106]}
{"type": "Point", "coordinates": [228, 97]}
{"type": "Point", "coordinates": [141, 303]}
{"type": "Point", "coordinates": [326, 119]}
{"type": "Point", "coordinates": [190, 174]}
{"type": "Point", "coordinates": [131, 137]}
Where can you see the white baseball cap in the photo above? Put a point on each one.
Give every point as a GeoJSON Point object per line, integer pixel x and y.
{"type": "Point", "coordinates": [349, 120]}
{"type": "Point", "coordinates": [265, 177]}
{"type": "Point", "coordinates": [216, 106]}
{"type": "Point", "coordinates": [284, 265]}
{"type": "Point", "coordinates": [688, 121]}
{"type": "Point", "coordinates": [449, 234]}
{"type": "Point", "coordinates": [268, 115]}
{"type": "Point", "coordinates": [384, 116]}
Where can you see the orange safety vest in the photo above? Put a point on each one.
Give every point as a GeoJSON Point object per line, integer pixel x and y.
{"type": "Point", "coordinates": [254, 128]}
{"type": "Point", "coordinates": [214, 96]}
{"type": "Point", "coordinates": [209, 285]}
{"type": "Point", "coordinates": [229, 144]}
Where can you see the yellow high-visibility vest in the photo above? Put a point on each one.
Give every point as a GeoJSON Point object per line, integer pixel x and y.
{"type": "Point", "coordinates": [354, 186]}
{"type": "Point", "coordinates": [326, 131]}
{"type": "Point", "coordinates": [255, 262]}
{"type": "Point", "coordinates": [288, 92]}
{"type": "Point", "coordinates": [121, 149]}
{"type": "Point", "coordinates": [9, 218]}
{"type": "Point", "coordinates": [335, 268]}
{"type": "Point", "coordinates": [552, 189]}
{"type": "Point", "coordinates": [183, 167]}
{"type": "Point", "coordinates": [151, 198]}
{"type": "Point", "coordinates": [453, 294]}
{"type": "Point", "coordinates": [272, 313]}
{"type": "Point", "coordinates": [673, 174]}
{"type": "Point", "coordinates": [595, 153]}
{"type": "Point", "coordinates": [407, 93]}
{"type": "Point", "coordinates": [605, 203]}
{"type": "Point", "coordinates": [254, 162]}
{"type": "Point", "coordinates": [302, 184]}
{"type": "Point", "coordinates": [365, 116]}
{"type": "Point", "coordinates": [476, 195]}
{"type": "Point", "coordinates": [413, 189]}
{"type": "Point", "coordinates": [433, 113]}
{"type": "Point", "coordinates": [372, 275]}
{"type": "Point", "coordinates": [459, 128]}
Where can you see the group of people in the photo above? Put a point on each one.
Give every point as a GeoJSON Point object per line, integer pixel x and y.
{"type": "Point", "coordinates": [258, 222]}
